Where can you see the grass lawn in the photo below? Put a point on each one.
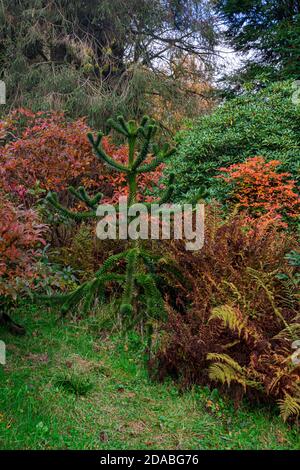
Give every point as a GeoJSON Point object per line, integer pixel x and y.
{"type": "Point", "coordinates": [66, 385]}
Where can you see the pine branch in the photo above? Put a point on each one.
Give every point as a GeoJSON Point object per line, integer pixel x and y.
{"type": "Point", "coordinates": [143, 153]}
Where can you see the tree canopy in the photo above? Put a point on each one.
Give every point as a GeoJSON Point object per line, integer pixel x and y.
{"type": "Point", "coordinates": [268, 29]}
{"type": "Point", "coordinates": [99, 55]}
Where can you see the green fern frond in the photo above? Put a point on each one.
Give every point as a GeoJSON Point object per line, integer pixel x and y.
{"type": "Point", "coordinates": [290, 287]}
{"type": "Point", "coordinates": [226, 370]}
{"type": "Point", "coordinates": [237, 294]}
{"type": "Point", "coordinates": [289, 407]}
{"type": "Point", "coordinates": [229, 317]}
{"type": "Point", "coordinates": [225, 359]}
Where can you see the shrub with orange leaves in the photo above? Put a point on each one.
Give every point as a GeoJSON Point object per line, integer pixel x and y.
{"type": "Point", "coordinates": [47, 149]}
{"type": "Point", "coordinates": [259, 188]}
{"type": "Point", "coordinates": [20, 233]}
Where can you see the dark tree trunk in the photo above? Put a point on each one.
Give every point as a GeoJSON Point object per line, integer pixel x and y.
{"type": "Point", "coordinates": [12, 326]}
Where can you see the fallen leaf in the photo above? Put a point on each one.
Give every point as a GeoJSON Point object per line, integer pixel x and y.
{"type": "Point", "coordinates": [149, 443]}
{"type": "Point", "coordinates": [103, 436]}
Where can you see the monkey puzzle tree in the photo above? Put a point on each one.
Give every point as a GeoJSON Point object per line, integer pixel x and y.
{"type": "Point", "coordinates": [140, 274]}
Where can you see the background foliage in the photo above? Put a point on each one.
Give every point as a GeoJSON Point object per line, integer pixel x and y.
{"type": "Point", "coordinates": [264, 122]}
{"type": "Point", "coordinates": [102, 58]}
{"type": "Point", "coordinates": [268, 31]}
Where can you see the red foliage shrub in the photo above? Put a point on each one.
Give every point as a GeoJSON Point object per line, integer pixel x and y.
{"type": "Point", "coordinates": [46, 148]}
{"type": "Point", "coordinates": [20, 233]}
{"type": "Point", "coordinates": [49, 150]}
{"type": "Point", "coordinates": [261, 189]}
{"type": "Point", "coordinates": [241, 324]}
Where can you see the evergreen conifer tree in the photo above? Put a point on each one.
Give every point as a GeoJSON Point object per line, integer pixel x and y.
{"type": "Point", "coordinates": [140, 273]}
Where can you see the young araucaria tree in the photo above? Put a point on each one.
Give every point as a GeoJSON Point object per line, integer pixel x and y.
{"type": "Point", "coordinates": [140, 272]}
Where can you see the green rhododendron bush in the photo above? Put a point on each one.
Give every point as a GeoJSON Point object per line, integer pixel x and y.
{"type": "Point", "coordinates": [262, 122]}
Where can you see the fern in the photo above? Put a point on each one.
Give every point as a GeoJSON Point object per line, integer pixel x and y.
{"type": "Point", "coordinates": [229, 317]}
{"type": "Point", "coordinates": [226, 375]}
{"type": "Point", "coordinates": [234, 290]}
{"type": "Point", "coordinates": [289, 407]}
{"type": "Point", "coordinates": [226, 370]}
{"type": "Point", "coordinates": [263, 280]}
{"type": "Point", "coordinates": [232, 319]}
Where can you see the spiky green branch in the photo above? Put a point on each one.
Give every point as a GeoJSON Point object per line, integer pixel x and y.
{"type": "Point", "coordinates": [52, 199]}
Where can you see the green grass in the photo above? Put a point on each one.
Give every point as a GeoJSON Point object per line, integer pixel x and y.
{"type": "Point", "coordinates": [67, 385]}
